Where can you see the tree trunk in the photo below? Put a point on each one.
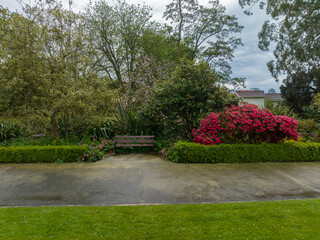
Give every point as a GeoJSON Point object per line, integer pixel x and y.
{"type": "Point", "coordinates": [54, 126]}
{"type": "Point", "coordinates": [180, 28]}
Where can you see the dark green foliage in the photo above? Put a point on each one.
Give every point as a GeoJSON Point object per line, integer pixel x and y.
{"type": "Point", "coordinates": [309, 129]}
{"type": "Point", "coordinates": [127, 150]}
{"type": "Point", "coordinates": [104, 130]}
{"type": "Point", "coordinates": [70, 125]}
{"type": "Point", "coordinates": [161, 144]}
{"type": "Point", "coordinates": [10, 130]}
{"type": "Point", "coordinates": [279, 109]}
{"type": "Point", "coordinates": [97, 149]}
{"type": "Point", "coordinates": [45, 141]}
{"type": "Point", "coordinates": [299, 88]}
{"type": "Point", "coordinates": [189, 94]}
{"type": "Point", "coordinates": [313, 110]}
{"type": "Point", "coordinates": [35, 154]}
{"type": "Point", "coordinates": [238, 153]}
{"type": "Point", "coordinates": [128, 121]}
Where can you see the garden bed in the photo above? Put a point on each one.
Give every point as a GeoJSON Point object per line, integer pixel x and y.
{"type": "Point", "coordinates": [238, 153]}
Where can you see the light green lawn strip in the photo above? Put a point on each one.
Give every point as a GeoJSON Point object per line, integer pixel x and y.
{"type": "Point", "coordinates": [296, 219]}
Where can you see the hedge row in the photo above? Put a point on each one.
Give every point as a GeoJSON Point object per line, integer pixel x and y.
{"type": "Point", "coordinates": [238, 153]}
{"type": "Point", "coordinates": [34, 154]}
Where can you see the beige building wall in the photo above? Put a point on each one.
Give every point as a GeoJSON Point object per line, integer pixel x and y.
{"type": "Point", "coordinates": [257, 101]}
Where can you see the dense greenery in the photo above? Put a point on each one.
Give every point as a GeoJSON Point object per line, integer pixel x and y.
{"type": "Point", "coordinates": [110, 70]}
{"type": "Point", "coordinates": [309, 130]}
{"type": "Point", "coordinates": [295, 219]}
{"type": "Point", "coordinates": [313, 111]}
{"type": "Point", "coordinates": [68, 74]}
{"type": "Point", "coordinates": [46, 67]}
{"type": "Point", "coordinates": [280, 108]}
{"type": "Point", "coordinates": [299, 89]}
{"type": "Point", "coordinates": [36, 154]}
{"type": "Point", "coordinates": [190, 93]}
{"type": "Point", "coordinates": [230, 153]}
{"type": "Point", "coordinates": [10, 130]}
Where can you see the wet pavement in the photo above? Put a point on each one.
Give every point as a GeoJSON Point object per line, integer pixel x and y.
{"type": "Point", "coordinates": [147, 179]}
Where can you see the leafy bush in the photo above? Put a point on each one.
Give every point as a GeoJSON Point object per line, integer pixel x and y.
{"type": "Point", "coordinates": [96, 150]}
{"type": "Point", "coordinates": [35, 154]}
{"type": "Point", "coordinates": [161, 144]}
{"type": "Point", "coordinates": [237, 153]}
{"type": "Point", "coordinates": [166, 149]}
{"type": "Point", "coordinates": [128, 121]}
{"type": "Point", "coordinates": [280, 109]}
{"type": "Point", "coordinates": [10, 130]}
{"type": "Point", "coordinates": [309, 129]}
{"type": "Point", "coordinates": [190, 93]}
{"type": "Point", "coordinates": [313, 111]}
{"type": "Point", "coordinates": [245, 124]}
{"type": "Point", "coordinates": [70, 125]}
{"type": "Point", "coordinates": [105, 130]}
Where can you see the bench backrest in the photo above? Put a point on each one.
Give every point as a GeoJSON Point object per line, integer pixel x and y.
{"type": "Point", "coordinates": [134, 141]}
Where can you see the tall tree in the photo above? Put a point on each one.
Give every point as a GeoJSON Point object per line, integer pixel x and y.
{"type": "Point", "coordinates": [295, 33]}
{"type": "Point", "coordinates": [209, 33]}
{"type": "Point", "coordinates": [45, 65]}
{"type": "Point", "coordinates": [181, 13]}
{"type": "Point", "coordinates": [117, 31]}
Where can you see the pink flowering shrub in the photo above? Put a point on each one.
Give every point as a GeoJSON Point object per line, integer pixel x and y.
{"type": "Point", "coordinates": [245, 124]}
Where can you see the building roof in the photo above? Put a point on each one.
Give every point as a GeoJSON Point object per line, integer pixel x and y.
{"type": "Point", "coordinates": [273, 97]}
{"type": "Point", "coordinates": [250, 94]}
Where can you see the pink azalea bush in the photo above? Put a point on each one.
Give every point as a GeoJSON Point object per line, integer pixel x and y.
{"type": "Point", "coordinates": [245, 124]}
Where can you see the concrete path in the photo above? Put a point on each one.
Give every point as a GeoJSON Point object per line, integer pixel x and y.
{"type": "Point", "coordinates": [147, 179]}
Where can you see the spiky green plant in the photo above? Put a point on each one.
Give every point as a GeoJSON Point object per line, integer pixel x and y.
{"type": "Point", "coordinates": [128, 121]}
{"type": "Point", "coordinates": [10, 130]}
{"type": "Point", "coordinates": [280, 109]}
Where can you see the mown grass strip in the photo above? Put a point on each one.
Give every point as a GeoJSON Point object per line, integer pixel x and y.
{"type": "Point", "coordinates": [296, 219]}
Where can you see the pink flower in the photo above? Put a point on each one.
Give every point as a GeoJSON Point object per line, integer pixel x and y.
{"type": "Point", "coordinates": [245, 122]}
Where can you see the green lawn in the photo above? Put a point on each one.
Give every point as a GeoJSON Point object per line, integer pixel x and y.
{"type": "Point", "coordinates": [297, 219]}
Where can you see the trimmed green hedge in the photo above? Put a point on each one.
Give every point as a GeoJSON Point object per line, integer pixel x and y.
{"type": "Point", "coordinates": [238, 153]}
{"type": "Point", "coordinates": [34, 154]}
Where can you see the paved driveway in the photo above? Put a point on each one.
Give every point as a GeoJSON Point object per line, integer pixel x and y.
{"type": "Point", "coordinates": [147, 179]}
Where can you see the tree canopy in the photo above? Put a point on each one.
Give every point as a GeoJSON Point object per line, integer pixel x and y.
{"type": "Point", "coordinates": [209, 33]}
{"type": "Point", "coordinates": [60, 66]}
{"type": "Point", "coordinates": [45, 65]}
{"type": "Point", "coordinates": [294, 33]}
{"type": "Point", "coordinates": [299, 89]}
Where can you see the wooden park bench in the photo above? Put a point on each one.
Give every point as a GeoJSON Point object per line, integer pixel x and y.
{"type": "Point", "coordinates": [133, 141]}
{"type": "Point", "coordinates": [37, 136]}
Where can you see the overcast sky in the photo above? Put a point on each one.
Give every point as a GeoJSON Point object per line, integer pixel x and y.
{"type": "Point", "coordinates": [249, 62]}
